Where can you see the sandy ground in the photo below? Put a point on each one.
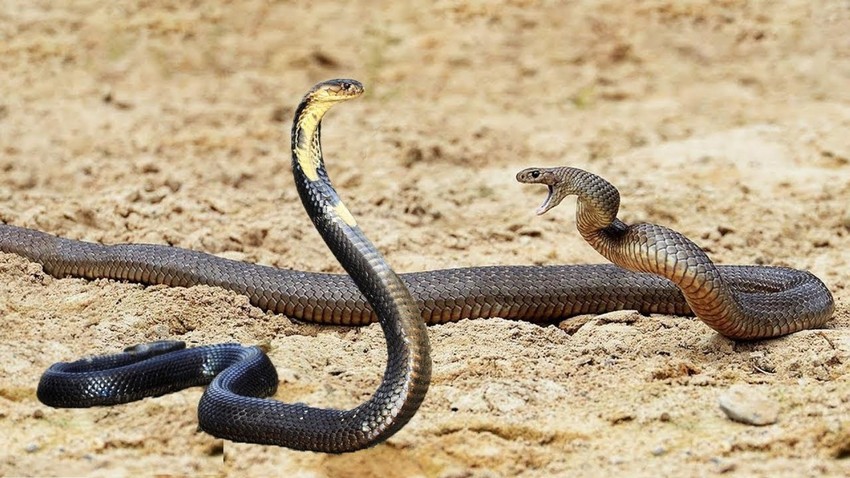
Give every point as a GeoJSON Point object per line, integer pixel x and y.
{"type": "Point", "coordinates": [168, 122]}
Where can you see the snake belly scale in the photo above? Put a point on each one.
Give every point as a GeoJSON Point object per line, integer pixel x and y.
{"type": "Point", "coordinates": [668, 274]}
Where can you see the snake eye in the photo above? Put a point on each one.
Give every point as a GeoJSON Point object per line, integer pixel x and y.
{"type": "Point", "coordinates": [535, 174]}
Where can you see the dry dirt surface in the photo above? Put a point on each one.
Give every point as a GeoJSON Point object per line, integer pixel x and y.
{"type": "Point", "coordinates": [168, 122]}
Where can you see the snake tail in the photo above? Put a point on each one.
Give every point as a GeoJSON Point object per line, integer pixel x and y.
{"type": "Point", "coordinates": [167, 366]}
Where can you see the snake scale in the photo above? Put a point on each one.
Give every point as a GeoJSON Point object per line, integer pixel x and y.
{"type": "Point", "coordinates": [667, 274]}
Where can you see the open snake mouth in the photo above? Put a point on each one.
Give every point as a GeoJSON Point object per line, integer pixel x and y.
{"type": "Point", "coordinates": [545, 177]}
{"type": "Point", "coordinates": [547, 203]}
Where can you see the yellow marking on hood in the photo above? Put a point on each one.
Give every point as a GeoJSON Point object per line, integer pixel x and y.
{"type": "Point", "coordinates": [343, 213]}
{"type": "Point", "coordinates": [308, 164]}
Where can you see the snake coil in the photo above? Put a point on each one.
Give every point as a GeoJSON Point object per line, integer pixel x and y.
{"type": "Point", "coordinates": [231, 406]}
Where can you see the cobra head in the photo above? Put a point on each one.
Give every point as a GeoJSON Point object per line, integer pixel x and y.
{"type": "Point", "coordinates": [335, 90]}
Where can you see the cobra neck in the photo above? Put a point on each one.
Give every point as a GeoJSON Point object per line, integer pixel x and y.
{"type": "Point", "coordinates": [306, 137]}
{"type": "Point", "coordinates": [408, 368]}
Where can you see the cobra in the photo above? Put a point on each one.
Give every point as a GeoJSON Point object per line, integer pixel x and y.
{"type": "Point", "coordinates": [231, 406]}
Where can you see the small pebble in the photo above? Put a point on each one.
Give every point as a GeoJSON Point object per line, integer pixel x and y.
{"type": "Point", "coordinates": [619, 417]}
{"type": "Point", "coordinates": [747, 405]}
{"type": "Point", "coordinates": [573, 324]}
{"type": "Point", "coordinates": [723, 466]}
{"type": "Point", "coordinates": [762, 363]}
{"type": "Point", "coordinates": [32, 448]}
{"type": "Point", "coordinates": [658, 451]}
{"type": "Point", "coordinates": [161, 331]}
{"type": "Point", "coordinates": [619, 317]}
{"type": "Point", "coordinates": [724, 230]}
{"type": "Point", "coordinates": [216, 448]}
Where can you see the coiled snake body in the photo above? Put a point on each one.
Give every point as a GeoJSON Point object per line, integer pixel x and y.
{"type": "Point", "coordinates": [230, 407]}
{"type": "Point", "coordinates": [742, 302]}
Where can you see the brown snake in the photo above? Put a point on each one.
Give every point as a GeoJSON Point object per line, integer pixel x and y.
{"type": "Point", "coordinates": [784, 300]}
{"type": "Point", "coordinates": [787, 299]}
{"type": "Point", "coordinates": [739, 302]}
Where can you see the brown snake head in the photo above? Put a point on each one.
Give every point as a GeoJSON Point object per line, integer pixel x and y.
{"type": "Point", "coordinates": [598, 200]}
{"type": "Point", "coordinates": [553, 178]}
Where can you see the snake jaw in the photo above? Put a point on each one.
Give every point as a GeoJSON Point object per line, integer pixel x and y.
{"type": "Point", "coordinates": [548, 203]}
{"type": "Point", "coordinates": [547, 177]}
